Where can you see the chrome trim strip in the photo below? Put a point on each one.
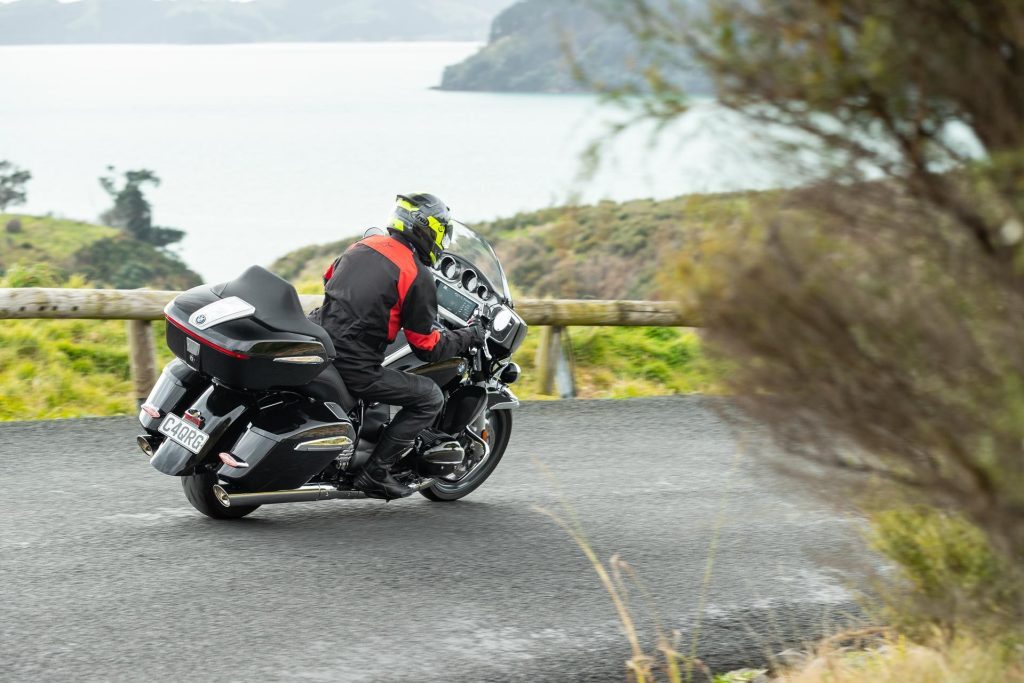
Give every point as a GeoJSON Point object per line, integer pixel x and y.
{"type": "Point", "coordinates": [231, 308]}
{"type": "Point", "coordinates": [300, 360]}
{"type": "Point", "coordinates": [327, 444]}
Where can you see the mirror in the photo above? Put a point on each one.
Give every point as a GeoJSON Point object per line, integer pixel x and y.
{"type": "Point", "coordinates": [502, 319]}
{"type": "Point", "coordinates": [370, 232]}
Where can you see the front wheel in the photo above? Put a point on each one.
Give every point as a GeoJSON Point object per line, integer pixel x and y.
{"type": "Point", "coordinates": [499, 430]}
{"type": "Point", "coordinates": [199, 491]}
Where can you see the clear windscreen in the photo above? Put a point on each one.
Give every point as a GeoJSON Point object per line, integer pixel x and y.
{"type": "Point", "coordinates": [473, 248]}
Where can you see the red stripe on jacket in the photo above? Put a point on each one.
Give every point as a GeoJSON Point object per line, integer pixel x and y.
{"type": "Point", "coordinates": [401, 256]}
{"type": "Point", "coordinates": [427, 342]}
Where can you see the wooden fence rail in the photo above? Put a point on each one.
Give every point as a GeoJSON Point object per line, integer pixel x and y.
{"type": "Point", "coordinates": [139, 307]}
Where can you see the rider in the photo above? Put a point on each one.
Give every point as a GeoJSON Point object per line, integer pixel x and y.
{"type": "Point", "coordinates": [380, 285]}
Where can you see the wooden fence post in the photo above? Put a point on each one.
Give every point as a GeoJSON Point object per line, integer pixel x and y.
{"type": "Point", "coordinates": [568, 356]}
{"type": "Point", "coordinates": [142, 350]}
{"type": "Point", "coordinates": [549, 352]}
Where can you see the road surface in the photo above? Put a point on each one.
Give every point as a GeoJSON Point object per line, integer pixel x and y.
{"type": "Point", "coordinates": [106, 572]}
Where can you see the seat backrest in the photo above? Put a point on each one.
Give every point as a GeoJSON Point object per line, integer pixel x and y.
{"type": "Point", "coordinates": [277, 303]}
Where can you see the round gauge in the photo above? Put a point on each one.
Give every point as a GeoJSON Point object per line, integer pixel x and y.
{"type": "Point", "coordinates": [469, 280]}
{"type": "Point", "coordinates": [483, 293]}
{"type": "Point", "coordinates": [449, 267]}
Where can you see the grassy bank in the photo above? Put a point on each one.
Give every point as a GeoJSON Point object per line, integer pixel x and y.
{"type": "Point", "coordinates": [66, 368]}
{"type": "Point", "coordinates": [627, 362]}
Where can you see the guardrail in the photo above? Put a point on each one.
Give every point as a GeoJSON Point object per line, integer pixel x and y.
{"type": "Point", "coordinates": [139, 307]}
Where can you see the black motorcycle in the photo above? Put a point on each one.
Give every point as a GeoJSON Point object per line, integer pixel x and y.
{"type": "Point", "coordinates": [252, 411]}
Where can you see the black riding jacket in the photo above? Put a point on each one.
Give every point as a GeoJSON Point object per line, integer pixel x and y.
{"type": "Point", "coordinates": [376, 288]}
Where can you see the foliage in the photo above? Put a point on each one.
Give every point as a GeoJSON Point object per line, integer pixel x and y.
{"type": "Point", "coordinates": [107, 257]}
{"type": "Point", "coordinates": [129, 264]}
{"type": "Point", "coordinates": [132, 212]}
{"type": "Point", "coordinates": [12, 185]}
{"type": "Point", "coordinates": [610, 250]}
{"type": "Point", "coordinates": [874, 319]}
{"type": "Point", "coordinates": [949, 576]}
{"type": "Point", "coordinates": [964, 660]}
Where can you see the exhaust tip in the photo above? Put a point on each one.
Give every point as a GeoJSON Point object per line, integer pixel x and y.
{"type": "Point", "coordinates": [146, 445]}
{"type": "Point", "coordinates": [221, 495]}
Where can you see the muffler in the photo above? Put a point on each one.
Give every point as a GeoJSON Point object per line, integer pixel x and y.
{"type": "Point", "coordinates": [305, 494]}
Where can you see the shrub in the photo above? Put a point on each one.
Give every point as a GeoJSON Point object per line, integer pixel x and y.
{"type": "Point", "coordinates": [949, 575]}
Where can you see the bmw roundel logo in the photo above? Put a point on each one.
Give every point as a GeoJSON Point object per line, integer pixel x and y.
{"type": "Point", "coordinates": [200, 319]}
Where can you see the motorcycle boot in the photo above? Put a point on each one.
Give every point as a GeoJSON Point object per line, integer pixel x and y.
{"type": "Point", "coordinates": [376, 480]}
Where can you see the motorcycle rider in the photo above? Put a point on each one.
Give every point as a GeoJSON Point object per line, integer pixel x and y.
{"type": "Point", "coordinates": [380, 285]}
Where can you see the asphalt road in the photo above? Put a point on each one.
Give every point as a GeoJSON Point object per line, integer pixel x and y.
{"type": "Point", "coordinates": [106, 572]}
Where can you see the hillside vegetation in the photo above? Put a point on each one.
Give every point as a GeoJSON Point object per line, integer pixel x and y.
{"type": "Point", "coordinates": [606, 251]}
{"type": "Point", "coordinates": [26, 22]}
{"type": "Point", "coordinates": [49, 251]}
{"type": "Point", "coordinates": [527, 52]}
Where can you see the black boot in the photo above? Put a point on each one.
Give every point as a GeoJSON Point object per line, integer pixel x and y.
{"type": "Point", "coordinates": [375, 479]}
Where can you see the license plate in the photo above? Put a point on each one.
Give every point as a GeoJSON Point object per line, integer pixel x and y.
{"type": "Point", "coordinates": [183, 433]}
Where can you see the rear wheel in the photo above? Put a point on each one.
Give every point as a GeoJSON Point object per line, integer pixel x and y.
{"type": "Point", "coordinates": [199, 491]}
{"type": "Point", "coordinates": [499, 430]}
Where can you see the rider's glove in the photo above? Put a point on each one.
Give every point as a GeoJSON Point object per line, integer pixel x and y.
{"type": "Point", "coordinates": [476, 333]}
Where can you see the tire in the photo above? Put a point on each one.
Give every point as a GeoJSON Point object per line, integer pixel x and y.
{"type": "Point", "coordinates": [199, 491]}
{"type": "Point", "coordinates": [499, 432]}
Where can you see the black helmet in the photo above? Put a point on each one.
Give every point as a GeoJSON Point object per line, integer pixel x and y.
{"type": "Point", "coordinates": [425, 221]}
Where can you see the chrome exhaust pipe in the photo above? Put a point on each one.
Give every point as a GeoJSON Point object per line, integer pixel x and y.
{"type": "Point", "coordinates": [148, 445]}
{"type": "Point", "coordinates": [305, 494]}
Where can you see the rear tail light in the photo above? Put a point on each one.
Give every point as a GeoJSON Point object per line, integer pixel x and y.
{"type": "Point", "coordinates": [151, 410]}
{"type": "Point", "coordinates": [232, 461]}
{"type": "Point", "coordinates": [204, 341]}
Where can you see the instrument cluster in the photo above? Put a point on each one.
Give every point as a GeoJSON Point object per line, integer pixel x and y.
{"type": "Point", "coordinates": [465, 277]}
{"type": "Point", "coordinates": [462, 294]}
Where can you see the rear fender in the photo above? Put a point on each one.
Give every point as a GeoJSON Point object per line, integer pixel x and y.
{"type": "Point", "coordinates": [220, 408]}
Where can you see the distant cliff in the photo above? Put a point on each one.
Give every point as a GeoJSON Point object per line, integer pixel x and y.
{"type": "Point", "coordinates": [527, 52]}
{"type": "Point", "coordinates": [28, 22]}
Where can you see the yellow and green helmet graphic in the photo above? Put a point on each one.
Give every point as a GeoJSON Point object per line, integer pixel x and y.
{"type": "Point", "coordinates": [426, 221]}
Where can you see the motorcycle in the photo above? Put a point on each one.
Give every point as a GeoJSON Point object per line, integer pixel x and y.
{"type": "Point", "coordinates": [253, 412]}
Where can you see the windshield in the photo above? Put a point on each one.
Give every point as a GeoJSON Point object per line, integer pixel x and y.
{"type": "Point", "coordinates": [475, 249]}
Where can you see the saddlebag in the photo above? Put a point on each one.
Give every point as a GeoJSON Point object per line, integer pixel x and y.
{"type": "Point", "coordinates": [284, 448]}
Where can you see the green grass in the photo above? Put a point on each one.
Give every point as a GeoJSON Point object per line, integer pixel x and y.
{"type": "Point", "coordinates": [628, 362]}
{"type": "Point", "coordinates": [47, 240]}
{"type": "Point", "coordinates": [66, 368]}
